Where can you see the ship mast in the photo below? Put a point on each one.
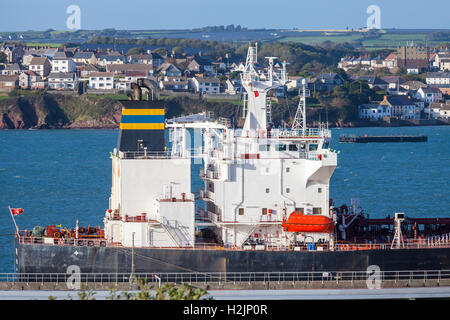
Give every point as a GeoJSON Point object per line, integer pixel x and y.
{"type": "Point", "coordinates": [299, 123]}
{"type": "Point", "coordinates": [257, 84]}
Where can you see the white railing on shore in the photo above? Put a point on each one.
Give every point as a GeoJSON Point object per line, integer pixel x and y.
{"type": "Point", "coordinates": [235, 277]}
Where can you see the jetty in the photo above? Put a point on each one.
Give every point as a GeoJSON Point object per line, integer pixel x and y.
{"type": "Point", "coordinates": [368, 139]}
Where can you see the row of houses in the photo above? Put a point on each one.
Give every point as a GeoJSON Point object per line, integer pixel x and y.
{"type": "Point", "coordinates": [404, 108]}
{"type": "Point", "coordinates": [413, 58]}
{"type": "Point", "coordinates": [401, 107]}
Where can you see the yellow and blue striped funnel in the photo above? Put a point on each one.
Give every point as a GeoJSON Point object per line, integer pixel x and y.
{"type": "Point", "coordinates": [142, 119]}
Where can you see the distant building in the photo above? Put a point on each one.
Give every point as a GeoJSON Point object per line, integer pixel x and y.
{"type": "Point", "coordinates": [326, 81]}
{"type": "Point", "coordinates": [12, 69]}
{"type": "Point", "coordinates": [445, 65]}
{"type": "Point", "coordinates": [8, 83]}
{"type": "Point", "coordinates": [413, 85]}
{"type": "Point", "coordinates": [86, 70]}
{"type": "Point", "coordinates": [101, 80]}
{"type": "Point", "coordinates": [374, 111]}
{"type": "Point", "coordinates": [429, 95]}
{"type": "Point", "coordinates": [63, 65]}
{"type": "Point", "coordinates": [402, 107]}
{"type": "Point", "coordinates": [122, 69]}
{"type": "Point", "coordinates": [234, 86]}
{"type": "Point", "coordinates": [40, 65]}
{"type": "Point", "coordinates": [62, 80]}
{"type": "Point", "coordinates": [438, 110]}
{"type": "Point", "coordinates": [294, 83]}
{"type": "Point", "coordinates": [175, 86]}
{"type": "Point", "coordinates": [390, 61]}
{"type": "Point", "coordinates": [151, 58]}
{"type": "Point", "coordinates": [206, 85]}
{"type": "Point", "coordinates": [170, 70]}
{"type": "Point", "coordinates": [85, 57]}
{"type": "Point", "coordinates": [201, 65]}
{"type": "Point", "coordinates": [14, 53]}
{"type": "Point", "coordinates": [393, 82]}
{"type": "Point", "coordinates": [438, 78]}
{"type": "Point", "coordinates": [413, 58]}
{"type": "Point", "coordinates": [373, 82]}
{"type": "Point", "coordinates": [29, 80]}
{"type": "Point", "coordinates": [110, 59]}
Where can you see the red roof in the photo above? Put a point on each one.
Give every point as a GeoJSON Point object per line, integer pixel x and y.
{"type": "Point", "coordinates": [391, 56]}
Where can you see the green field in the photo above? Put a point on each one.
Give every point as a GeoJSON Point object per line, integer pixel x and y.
{"type": "Point", "coordinates": [385, 40]}
{"type": "Point", "coordinates": [51, 45]}
{"type": "Point", "coordinates": [319, 39]}
{"type": "Point", "coordinates": [394, 40]}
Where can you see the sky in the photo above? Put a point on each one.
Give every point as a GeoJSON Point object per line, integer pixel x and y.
{"type": "Point", "coordinates": [187, 14]}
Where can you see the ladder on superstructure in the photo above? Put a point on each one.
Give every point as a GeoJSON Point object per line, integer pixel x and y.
{"type": "Point", "coordinates": [269, 110]}
{"type": "Point", "coordinates": [244, 99]}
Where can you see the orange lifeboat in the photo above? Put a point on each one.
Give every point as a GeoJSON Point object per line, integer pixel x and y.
{"type": "Point", "coordinates": [298, 222]}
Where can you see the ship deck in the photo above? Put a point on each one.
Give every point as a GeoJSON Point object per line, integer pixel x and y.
{"type": "Point", "coordinates": [442, 241]}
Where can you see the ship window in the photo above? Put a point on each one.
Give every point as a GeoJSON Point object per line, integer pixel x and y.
{"type": "Point", "coordinates": [264, 147]}
{"type": "Point", "coordinates": [303, 147]}
{"type": "Point", "coordinates": [325, 145]}
{"type": "Point", "coordinates": [313, 147]}
{"type": "Point", "coordinates": [241, 211]}
{"type": "Point", "coordinates": [288, 169]}
{"type": "Point", "coordinates": [319, 190]}
{"type": "Point", "coordinates": [264, 211]}
{"type": "Point", "coordinates": [267, 190]}
{"type": "Point", "coordinates": [280, 147]}
{"type": "Point", "coordinates": [299, 210]}
{"type": "Point", "coordinates": [293, 147]}
{"type": "Point", "coordinates": [317, 210]}
{"type": "Point", "coordinates": [288, 190]}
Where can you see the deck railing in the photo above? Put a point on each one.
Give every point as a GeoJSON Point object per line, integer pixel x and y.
{"type": "Point", "coordinates": [442, 241]}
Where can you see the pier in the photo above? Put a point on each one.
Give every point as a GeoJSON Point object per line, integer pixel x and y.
{"type": "Point", "coordinates": [367, 139]}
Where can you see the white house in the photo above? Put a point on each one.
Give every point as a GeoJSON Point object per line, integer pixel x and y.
{"type": "Point", "coordinates": [438, 110]}
{"type": "Point", "coordinates": [294, 83]}
{"type": "Point", "coordinates": [63, 65]}
{"type": "Point", "coordinates": [62, 80]}
{"type": "Point", "coordinates": [445, 64]}
{"type": "Point", "coordinates": [207, 85]}
{"type": "Point", "coordinates": [428, 95]}
{"type": "Point", "coordinates": [438, 78]}
{"type": "Point", "coordinates": [390, 61]}
{"type": "Point", "coordinates": [374, 111]}
{"type": "Point", "coordinates": [110, 59]}
{"type": "Point", "coordinates": [234, 86]}
{"type": "Point", "coordinates": [101, 80]}
{"type": "Point", "coordinates": [444, 112]}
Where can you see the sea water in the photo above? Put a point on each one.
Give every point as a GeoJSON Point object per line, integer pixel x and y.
{"type": "Point", "coordinates": [60, 176]}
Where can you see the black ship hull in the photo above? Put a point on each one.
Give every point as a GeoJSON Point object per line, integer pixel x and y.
{"type": "Point", "coordinates": [39, 258]}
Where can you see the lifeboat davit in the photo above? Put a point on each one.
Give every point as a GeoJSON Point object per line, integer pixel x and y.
{"type": "Point", "coordinates": [298, 222]}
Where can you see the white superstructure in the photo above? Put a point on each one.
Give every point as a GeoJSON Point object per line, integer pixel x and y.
{"type": "Point", "coordinates": [254, 178]}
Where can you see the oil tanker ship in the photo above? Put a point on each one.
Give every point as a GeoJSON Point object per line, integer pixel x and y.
{"type": "Point", "coordinates": [265, 204]}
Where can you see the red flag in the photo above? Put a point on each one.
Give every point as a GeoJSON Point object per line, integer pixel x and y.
{"type": "Point", "coordinates": [16, 211]}
{"type": "Point", "coordinates": [256, 93]}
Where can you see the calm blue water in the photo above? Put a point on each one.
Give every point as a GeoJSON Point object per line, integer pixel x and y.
{"type": "Point", "coordinates": [59, 176]}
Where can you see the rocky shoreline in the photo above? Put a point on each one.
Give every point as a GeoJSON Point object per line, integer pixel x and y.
{"type": "Point", "coordinates": [57, 111]}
